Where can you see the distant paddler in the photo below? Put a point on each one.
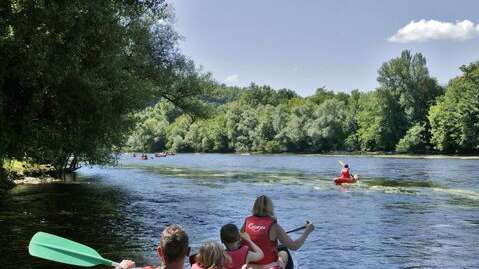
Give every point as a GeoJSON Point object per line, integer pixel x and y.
{"type": "Point", "coordinates": [346, 176]}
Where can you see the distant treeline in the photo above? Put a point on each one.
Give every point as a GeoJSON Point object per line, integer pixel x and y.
{"type": "Point", "coordinates": [409, 112]}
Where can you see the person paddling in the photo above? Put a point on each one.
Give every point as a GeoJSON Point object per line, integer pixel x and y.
{"type": "Point", "coordinates": [240, 254]}
{"type": "Point", "coordinates": [265, 232]}
{"type": "Point", "coordinates": [172, 250]}
{"type": "Point", "coordinates": [346, 176]}
{"type": "Point", "coordinates": [345, 171]}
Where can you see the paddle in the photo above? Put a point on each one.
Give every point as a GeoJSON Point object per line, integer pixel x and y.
{"type": "Point", "coordinates": [296, 229]}
{"type": "Point", "coordinates": [341, 163]}
{"type": "Point", "coordinates": [58, 249]}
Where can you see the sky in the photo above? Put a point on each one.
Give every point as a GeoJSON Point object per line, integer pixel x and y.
{"type": "Point", "coordinates": [338, 44]}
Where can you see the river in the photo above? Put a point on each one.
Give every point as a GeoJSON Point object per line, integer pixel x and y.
{"type": "Point", "coordinates": [403, 213]}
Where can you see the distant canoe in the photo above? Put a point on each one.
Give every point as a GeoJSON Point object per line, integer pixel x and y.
{"type": "Point", "coordinates": [349, 180]}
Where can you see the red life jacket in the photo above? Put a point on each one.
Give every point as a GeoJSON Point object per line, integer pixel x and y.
{"type": "Point", "coordinates": [258, 229]}
{"type": "Point", "coordinates": [345, 173]}
{"type": "Point", "coordinates": [238, 257]}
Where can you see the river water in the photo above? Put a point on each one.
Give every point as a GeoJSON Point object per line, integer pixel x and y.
{"type": "Point", "coordinates": [404, 213]}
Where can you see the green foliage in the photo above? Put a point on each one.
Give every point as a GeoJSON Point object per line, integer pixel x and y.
{"type": "Point", "coordinates": [455, 118]}
{"type": "Point", "coordinates": [326, 128]}
{"type": "Point", "coordinates": [150, 132]}
{"type": "Point", "coordinates": [351, 125]}
{"type": "Point", "coordinates": [407, 79]}
{"type": "Point", "coordinates": [403, 99]}
{"type": "Point", "coordinates": [414, 140]}
{"type": "Point", "coordinates": [260, 119]}
{"type": "Point", "coordinates": [73, 71]}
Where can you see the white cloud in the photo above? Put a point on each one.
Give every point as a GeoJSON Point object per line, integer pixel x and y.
{"type": "Point", "coordinates": [427, 30]}
{"type": "Point", "coordinates": [231, 78]}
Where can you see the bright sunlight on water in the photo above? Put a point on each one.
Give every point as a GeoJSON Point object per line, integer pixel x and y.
{"type": "Point", "coordinates": [402, 213]}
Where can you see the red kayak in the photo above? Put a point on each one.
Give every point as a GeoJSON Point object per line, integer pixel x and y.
{"type": "Point", "coordinates": [341, 180]}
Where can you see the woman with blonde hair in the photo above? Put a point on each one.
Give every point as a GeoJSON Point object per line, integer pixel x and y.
{"type": "Point", "coordinates": [264, 230]}
{"type": "Point", "coordinates": [211, 255]}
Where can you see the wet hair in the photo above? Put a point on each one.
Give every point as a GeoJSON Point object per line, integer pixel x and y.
{"type": "Point", "coordinates": [263, 206]}
{"type": "Point", "coordinates": [174, 242]}
{"type": "Point", "coordinates": [346, 166]}
{"type": "Point", "coordinates": [229, 234]}
{"type": "Point", "coordinates": [212, 255]}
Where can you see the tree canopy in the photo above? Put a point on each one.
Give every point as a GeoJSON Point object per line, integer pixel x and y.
{"type": "Point", "coordinates": [73, 71]}
{"type": "Point", "coordinates": [454, 118]}
{"type": "Point", "coordinates": [408, 112]}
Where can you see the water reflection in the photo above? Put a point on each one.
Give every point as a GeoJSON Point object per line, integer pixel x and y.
{"type": "Point", "coordinates": [403, 213]}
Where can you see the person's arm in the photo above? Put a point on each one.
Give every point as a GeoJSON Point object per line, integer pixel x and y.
{"type": "Point", "coordinates": [256, 254]}
{"type": "Point", "coordinates": [284, 238]}
{"type": "Point", "coordinates": [126, 264]}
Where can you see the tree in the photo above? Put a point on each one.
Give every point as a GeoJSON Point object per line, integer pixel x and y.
{"type": "Point", "coordinates": [454, 118]}
{"type": "Point", "coordinates": [351, 127]}
{"type": "Point", "coordinates": [150, 132]}
{"type": "Point", "coordinates": [73, 71]}
{"type": "Point", "coordinates": [176, 134]}
{"type": "Point", "coordinates": [326, 127]}
{"type": "Point", "coordinates": [406, 91]}
{"type": "Point", "coordinates": [264, 133]}
{"type": "Point", "coordinates": [296, 128]}
{"type": "Point", "coordinates": [408, 80]}
{"type": "Point", "coordinates": [381, 121]}
{"type": "Point", "coordinates": [414, 140]}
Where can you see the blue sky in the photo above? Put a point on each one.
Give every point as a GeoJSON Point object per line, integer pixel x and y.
{"type": "Point", "coordinates": [303, 45]}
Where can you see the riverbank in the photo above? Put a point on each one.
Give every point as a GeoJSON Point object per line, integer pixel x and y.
{"type": "Point", "coordinates": [355, 153]}
{"type": "Point", "coordinates": [16, 172]}
{"type": "Point", "coordinates": [404, 155]}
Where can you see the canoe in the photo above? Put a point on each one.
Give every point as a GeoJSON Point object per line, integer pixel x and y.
{"type": "Point", "coordinates": [342, 180]}
{"type": "Point", "coordinates": [290, 265]}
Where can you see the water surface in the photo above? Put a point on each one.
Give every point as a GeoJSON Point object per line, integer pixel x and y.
{"type": "Point", "coordinates": [403, 213]}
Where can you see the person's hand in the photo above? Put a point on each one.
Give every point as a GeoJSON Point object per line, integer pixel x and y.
{"type": "Point", "coordinates": [126, 264]}
{"type": "Point", "coordinates": [245, 236]}
{"type": "Point", "coordinates": [309, 227]}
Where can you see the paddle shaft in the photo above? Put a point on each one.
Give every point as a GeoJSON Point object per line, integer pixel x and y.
{"type": "Point", "coordinates": [296, 229]}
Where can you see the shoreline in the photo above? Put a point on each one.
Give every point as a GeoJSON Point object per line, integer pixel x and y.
{"type": "Point", "coordinates": [404, 156]}
{"type": "Point", "coordinates": [14, 173]}
{"type": "Point", "coordinates": [9, 183]}
{"type": "Point", "coordinates": [350, 154]}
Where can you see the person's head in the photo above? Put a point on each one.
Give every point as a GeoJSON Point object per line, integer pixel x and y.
{"type": "Point", "coordinates": [211, 256]}
{"type": "Point", "coordinates": [229, 234]}
{"type": "Point", "coordinates": [263, 206]}
{"type": "Point", "coordinates": [173, 244]}
{"type": "Point", "coordinates": [346, 166]}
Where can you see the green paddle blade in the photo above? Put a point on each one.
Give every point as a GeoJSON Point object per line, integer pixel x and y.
{"type": "Point", "coordinates": [55, 248]}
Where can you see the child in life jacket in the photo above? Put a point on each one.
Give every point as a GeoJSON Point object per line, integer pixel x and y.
{"type": "Point", "coordinates": [239, 254]}
{"type": "Point", "coordinates": [211, 255]}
